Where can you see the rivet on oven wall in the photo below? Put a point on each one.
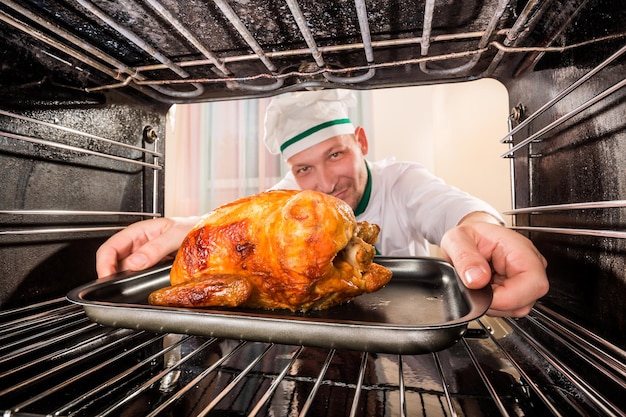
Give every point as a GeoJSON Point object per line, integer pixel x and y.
{"type": "Point", "coordinates": [517, 113]}
{"type": "Point", "coordinates": [515, 116]}
{"type": "Point", "coordinates": [150, 134]}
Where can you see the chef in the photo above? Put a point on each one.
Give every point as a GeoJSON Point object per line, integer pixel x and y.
{"type": "Point", "coordinates": [325, 152]}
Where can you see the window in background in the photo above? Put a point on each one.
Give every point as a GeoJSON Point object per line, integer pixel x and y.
{"type": "Point", "coordinates": [215, 153]}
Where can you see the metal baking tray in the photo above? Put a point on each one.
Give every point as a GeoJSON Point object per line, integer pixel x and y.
{"type": "Point", "coordinates": [424, 308]}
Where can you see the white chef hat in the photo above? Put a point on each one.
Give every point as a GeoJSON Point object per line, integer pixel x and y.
{"type": "Point", "coordinates": [297, 121]}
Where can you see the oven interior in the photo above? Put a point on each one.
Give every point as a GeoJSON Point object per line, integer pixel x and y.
{"type": "Point", "coordinates": [86, 86]}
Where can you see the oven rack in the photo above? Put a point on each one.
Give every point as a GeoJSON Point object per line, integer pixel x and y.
{"type": "Point", "coordinates": [584, 106]}
{"type": "Point", "coordinates": [549, 104]}
{"type": "Point", "coordinates": [54, 361]}
{"type": "Point", "coordinates": [613, 204]}
{"type": "Point", "coordinates": [572, 231]}
{"type": "Point", "coordinates": [88, 136]}
{"type": "Point", "coordinates": [134, 76]}
{"type": "Point", "coordinates": [501, 34]}
{"type": "Point", "coordinates": [91, 141]}
{"type": "Point", "coordinates": [525, 122]}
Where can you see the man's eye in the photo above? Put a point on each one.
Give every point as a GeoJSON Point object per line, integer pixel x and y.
{"type": "Point", "coordinates": [304, 170]}
{"type": "Point", "coordinates": [335, 155]}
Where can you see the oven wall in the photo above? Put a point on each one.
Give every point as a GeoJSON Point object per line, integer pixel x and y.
{"type": "Point", "coordinates": [582, 160]}
{"type": "Point", "coordinates": [95, 185]}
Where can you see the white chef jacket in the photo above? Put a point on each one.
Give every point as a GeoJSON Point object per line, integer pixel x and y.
{"type": "Point", "coordinates": [411, 206]}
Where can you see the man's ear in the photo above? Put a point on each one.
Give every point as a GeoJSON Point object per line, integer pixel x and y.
{"type": "Point", "coordinates": [361, 139]}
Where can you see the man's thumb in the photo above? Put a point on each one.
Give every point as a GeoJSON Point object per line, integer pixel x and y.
{"type": "Point", "coordinates": [475, 276]}
{"type": "Point", "coordinates": [137, 262]}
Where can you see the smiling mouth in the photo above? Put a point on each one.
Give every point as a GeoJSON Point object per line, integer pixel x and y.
{"type": "Point", "coordinates": [340, 194]}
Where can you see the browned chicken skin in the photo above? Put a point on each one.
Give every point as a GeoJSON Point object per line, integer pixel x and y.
{"type": "Point", "coordinates": [295, 250]}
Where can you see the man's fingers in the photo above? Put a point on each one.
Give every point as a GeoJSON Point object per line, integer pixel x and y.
{"type": "Point", "coordinates": [486, 254]}
{"type": "Point", "coordinates": [461, 250]}
{"type": "Point", "coordinates": [108, 257]}
{"type": "Point", "coordinates": [106, 262]}
{"type": "Point", "coordinates": [150, 253]}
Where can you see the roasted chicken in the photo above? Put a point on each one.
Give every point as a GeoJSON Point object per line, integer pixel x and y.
{"type": "Point", "coordinates": [296, 250]}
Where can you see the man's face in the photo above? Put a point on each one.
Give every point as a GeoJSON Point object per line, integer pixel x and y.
{"type": "Point", "coordinates": [335, 166]}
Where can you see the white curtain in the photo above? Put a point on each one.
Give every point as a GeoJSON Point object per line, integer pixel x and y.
{"type": "Point", "coordinates": [215, 154]}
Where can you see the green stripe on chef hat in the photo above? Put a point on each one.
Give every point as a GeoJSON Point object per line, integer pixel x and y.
{"type": "Point", "coordinates": [314, 130]}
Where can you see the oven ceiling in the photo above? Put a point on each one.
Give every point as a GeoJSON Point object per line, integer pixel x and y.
{"type": "Point", "coordinates": [172, 52]}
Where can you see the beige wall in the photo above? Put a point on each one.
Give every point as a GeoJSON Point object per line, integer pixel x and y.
{"type": "Point", "coordinates": [453, 129]}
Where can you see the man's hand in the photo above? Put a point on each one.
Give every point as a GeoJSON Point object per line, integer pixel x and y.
{"type": "Point", "coordinates": [486, 253]}
{"type": "Point", "coordinates": [142, 245]}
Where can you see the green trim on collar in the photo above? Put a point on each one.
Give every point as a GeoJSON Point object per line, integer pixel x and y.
{"type": "Point", "coordinates": [360, 208]}
{"type": "Point", "coordinates": [311, 131]}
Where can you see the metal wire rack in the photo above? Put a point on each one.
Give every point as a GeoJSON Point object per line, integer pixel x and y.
{"type": "Point", "coordinates": [55, 361]}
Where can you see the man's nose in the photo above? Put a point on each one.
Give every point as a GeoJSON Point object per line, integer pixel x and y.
{"type": "Point", "coordinates": [326, 183]}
